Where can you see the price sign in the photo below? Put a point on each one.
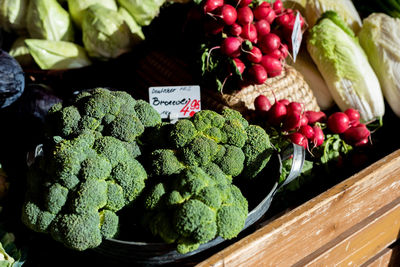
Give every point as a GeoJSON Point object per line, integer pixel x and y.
{"type": "Point", "coordinates": [175, 101]}
{"type": "Point", "coordinates": [297, 36]}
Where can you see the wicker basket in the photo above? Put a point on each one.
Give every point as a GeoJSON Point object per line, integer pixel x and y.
{"type": "Point", "coordinates": [160, 69]}
{"type": "Point", "coordinates": [289, 85]}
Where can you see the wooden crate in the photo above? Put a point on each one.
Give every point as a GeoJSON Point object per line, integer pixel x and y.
{"type": "Point", "coordinates": [352, 224]}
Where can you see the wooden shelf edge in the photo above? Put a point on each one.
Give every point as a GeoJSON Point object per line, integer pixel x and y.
{"type": "Point", "coordinates": [300, 232]}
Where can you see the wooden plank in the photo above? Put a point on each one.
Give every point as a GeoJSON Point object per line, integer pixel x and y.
{"type": "Point", "coordinates": [288, 239]}
{"type": "Point", "coordinates": [361, 242]}
{"type": "Point", "coordinates": [387, 257]}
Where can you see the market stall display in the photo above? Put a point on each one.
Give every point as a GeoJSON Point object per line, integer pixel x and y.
{"type": "Point", "coordinates": [295, 97]}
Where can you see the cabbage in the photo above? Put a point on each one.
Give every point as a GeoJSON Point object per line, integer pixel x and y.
{"type": "Point", "coordinates": [46, 19]}
{"type": "Point", "coordinates": [345, 9]}
{"type": "Point", "coordinates": [52, 55]}
{"type": "Point", "coordinates": [380, 38]}
{"type": "Point", "coordinates": [345, 68]}
{"type": "Point", "coordinates": [143, 11]}
{"type": "Point", "coordinates": [20, 52]}
{"type": "Point", "coordinates": [13, 15]}
{"type": "Point", "coordinates": [77, 7]}
{"type": "Point", "coordinates": [12, 80]}
{"type": "Point", "coordinates": [105, 33]}
{"type": "Point", "coordinates": [133, 26]}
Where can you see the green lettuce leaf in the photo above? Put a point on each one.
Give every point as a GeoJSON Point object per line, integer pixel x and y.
{"type": "Point", "coordinates": [143, 11]}
{"type": "Point", "coordinates": [77, 7]}
{"type": "Point", "coordinates": [52, 55]}
{"type": "Point", "coordinates": [13, 15]}
{"type": "Point", "coordinates": [47, 19]}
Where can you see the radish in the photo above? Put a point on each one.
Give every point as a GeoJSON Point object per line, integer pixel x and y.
{"type": "Point", "coordinates": [262, 27]}
{"type": "Point", "coordinates": [254, 55]}
{"type": "Point", "coordinates": [303, 120]}
{"type": "Point", "coordinates": [299, 139]}
{"type": "Point", "coordinates": [291, 121]}
{"type": "Point", "coordinates": [235, 29]}
{"type": "Point", "coordinates": [319, 137]}
{"type": "Point", "coordinates": [278, 6]}
{"type": "Point", "coordinates": [283, 20]}
{"type": "Point", "coordinates": [338, 122]}
{"type": "Point", "coordinates": [249, 32]}
{"type": "Point", "coordinates": [262, 103]}
{"type": "Point", "coordinates": [272, 65]}
{"type": "Point", "coordinates": [276, 54]}
{"type": "Point", "coordinates": [315, 116]}
{"type": "Point", "coordinates": [211, 5]}
{"type": "Point", "coordinates": [262, 11]}
{"type": "Point", "coordinates": [231, 47]}
{"type": "Point", "coordinates": [242, 2]}
{"type": "Point", "coordinates": [258, 74]}
{"type": "Point", "coordinates": [277, 113]}
{"type": "Point", "coordinates": [285, 102]}
{"type": "Point", "coordinates": [355, 134]}
{"type": "Point", "coordinates": [269, 42]}
{"type": "Point", "coordinates": [295, 107]}
{"type": "Point", "coordinates": [245, 15]}
{"type": "Point", "coordinates": [271, 16]}
{"type": "Point", "coordinates": [354, 116]}
{"type": "Point", "coordinates": [362, 142]}
{"type": "Point", "coordinates": [284, 50]}
{"type": "Point", "coordinates": [227, 13]}
{"type": "Point", "coordinates": [239, 65]}
{"type": "Point", "coordinates": [307, 131]}
{"type": "Point", "coordinates": [212, 26]}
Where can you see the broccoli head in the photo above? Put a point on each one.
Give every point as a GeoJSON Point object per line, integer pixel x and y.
{"type": "Point", "coordinates": [194, 207]}
{"type": "Point", "coordinates": [111, 113]}
{"type": "Point", "coordinates": [207, 137]}
{"type": "Point", "coordinates": [88, 170]}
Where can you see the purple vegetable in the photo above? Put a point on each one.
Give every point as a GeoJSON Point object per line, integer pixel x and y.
{"type": "Point", "coordinates": [12, 80]}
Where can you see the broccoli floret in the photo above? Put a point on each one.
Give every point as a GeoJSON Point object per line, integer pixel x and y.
{"type": "Point", "coordinates": [232, 162]}
{"type": "Point", "coordinates": [164, 162]}
{"type": "Point", "coordinates": [153, 198]}
{"type": "Point", "coordinates": [109, 223]}
{"type": "Point", "coordinates": [200, 151]}
{"type": "Point", "coordinates": [56, 198]}
{"type": "Point", "coordinates": [115, 196]}
{"type": "Point", "coordinates": [95, 167]}
{"type": "Point", "coordinates": [207, 119]}
{"type": "Point", "coordinates": [36, 218]}
{"type": "Point", "coordinates": [257, 150]}
{"type": "Point", "coordinates": [88, 170]}
{"type": "Point", "coordinates": [147, 114]}
{"type": "Point", "coordinates": [233, 133]}
{"type": "Point", "coordinates": [196, 220]}
{"type": "Point", "coordinates": [126, 128]}
{"type": "Point", "coordinates": [69, 120]}
{"type": "Point", "coordinates": [231, 114]}
{"type": "Point", "coordinates": [78, 231]}
{"type": "Point", "coordinates": [91, 195]}
{"type": "Point", "coordinates": [131, 176]}
{"type": "Point", "coordinates": [182, 133]}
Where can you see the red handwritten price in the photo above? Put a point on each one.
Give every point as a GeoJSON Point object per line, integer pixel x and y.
{"type": "Point", "coordinates": [191, 107]}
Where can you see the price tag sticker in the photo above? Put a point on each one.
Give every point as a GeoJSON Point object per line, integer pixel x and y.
{"type": "Point", "coordinates": [297, 36]}
{"type": "Point", "coordinates": [175, 101]}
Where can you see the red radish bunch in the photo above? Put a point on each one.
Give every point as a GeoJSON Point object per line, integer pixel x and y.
{"type": "Point", "coordinates": [234, 23]}
{"type": "Point", "coordinates": [348, 124]}
{"type": "Point", "coordinates": [293, 120]}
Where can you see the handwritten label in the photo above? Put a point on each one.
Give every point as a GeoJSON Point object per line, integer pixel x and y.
{"type": "Point", "coordinates": [175, 101]}
{"type": "Point", "coordinates": [297, 36]}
